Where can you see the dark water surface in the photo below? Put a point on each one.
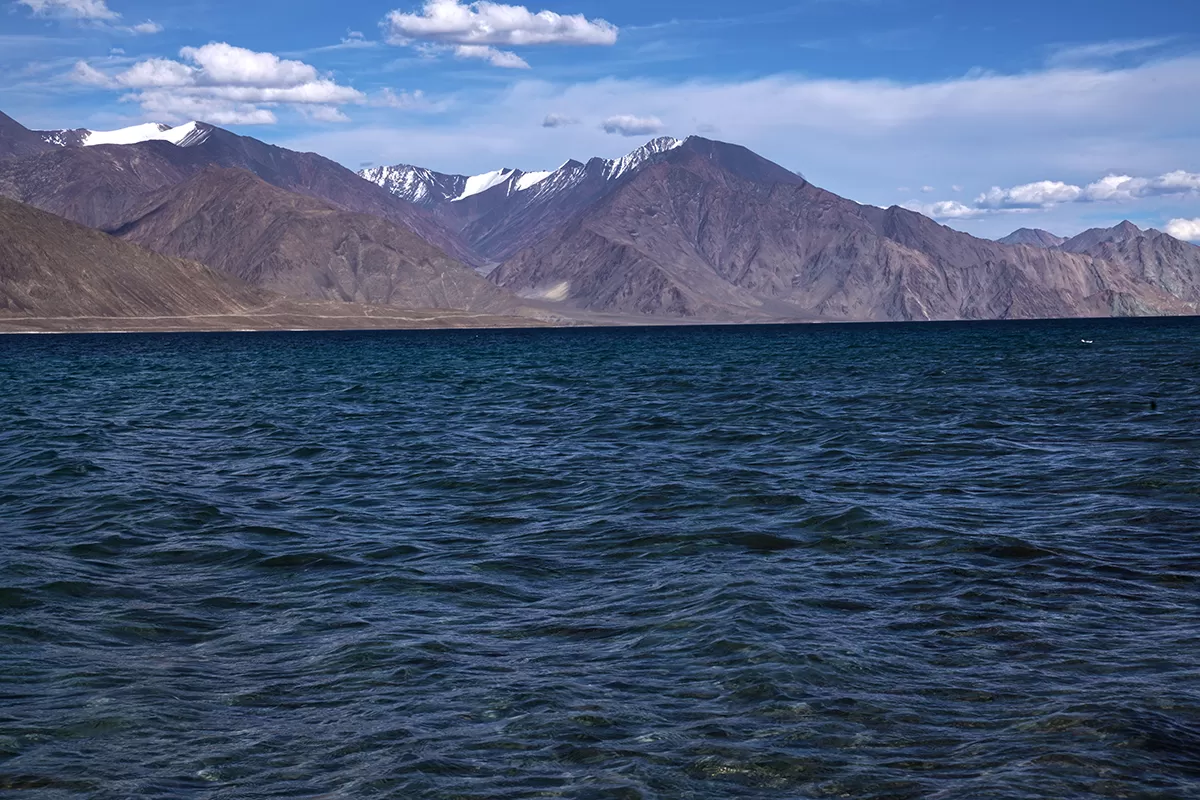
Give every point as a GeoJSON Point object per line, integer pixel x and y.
{"type": "Point", "coordinates": [942, 561]}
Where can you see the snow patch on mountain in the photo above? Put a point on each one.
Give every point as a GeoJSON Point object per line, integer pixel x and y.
{"type": "Point", "coordinates": [529, 179]}
{"type": "Point", "coordinates": [481, 183]}
{"type": "Point", "coordinates": [56, 138]}
{"type": "Point", "coordinates": [185, 135]}
{"type": "Point", "coordinates": [617, 167]}
{"type": "Point", "coordinates": [416, 184]}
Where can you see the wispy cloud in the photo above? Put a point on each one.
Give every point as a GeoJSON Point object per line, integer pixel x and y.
{"type": "Point", "coordinates": [408, 101]}
{"type": "Point", "coordinates": [77, 9]}
{"type": "Point", "coordinates": [353, 40]}
{"type": "Point", "coordinates": [94, 12]}
{"type": "Point", "coordinates": [1075, 54]}
{"type": "Point", "coordinates": [495, 57]}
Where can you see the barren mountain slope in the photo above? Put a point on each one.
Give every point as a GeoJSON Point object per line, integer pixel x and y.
{"type": "Point", "coordinates": [302, 247]}
{"type": "Point", "coordinates": [716, 230]}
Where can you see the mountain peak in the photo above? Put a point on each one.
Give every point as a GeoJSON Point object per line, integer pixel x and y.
{"type": "Point", "coordinates": [661, 144]}
{"type": "Point", "coordinates": [740, 161]}
{"type": "Point", "coordinates": [617, 167]}
{"type": "Point", "coordinates": [1090, 240]}
{"type": "Point", "coordinates": [1034, 237]}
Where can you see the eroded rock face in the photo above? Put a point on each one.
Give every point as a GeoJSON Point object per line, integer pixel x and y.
{"type": "Point", "coordinates": [712, 230]}
{"type": "Point", "coordinates": [234, 222]}
{"type": "Point", "coordinates": [1165, 262]}
{"type": "Point", "coordinates": [51, 267]}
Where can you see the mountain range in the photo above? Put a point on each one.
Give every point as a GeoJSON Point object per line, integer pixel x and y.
{"type": "Point", "coordinates": [686, 230]}
{"type": "Point", "coordinates": [239, 224]}
{"type": "Point", "coordinates": [1150, 255]}
{"type": "Point", "coordinates": [57, 275]}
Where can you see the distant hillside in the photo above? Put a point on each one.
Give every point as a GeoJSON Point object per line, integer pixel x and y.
{"type": "Point", "coordinates": [94, 184]}
{"type": "Point", "coordinates": [52, 267]}
{"type": "Point", "coordinates": [1152, 256]}
{"type": "Point", "coordinates": [690, 229]}
{"type": "Point", "coordinates": [302, 247]}
{"type": "Point", "coordinates": [711, 230]}
{"type": "Point", "coordinates": [56, 275]}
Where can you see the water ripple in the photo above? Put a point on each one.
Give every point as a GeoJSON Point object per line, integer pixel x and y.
{"type": "Point", "coordinates": [938, 561]}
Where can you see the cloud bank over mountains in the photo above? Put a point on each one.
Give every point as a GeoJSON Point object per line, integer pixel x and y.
{"type": "Point", "coordinates": [1048, 194]}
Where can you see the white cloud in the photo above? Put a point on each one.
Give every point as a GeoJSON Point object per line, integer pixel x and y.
{"type": "Point", "coordinates": [221, 63]}
{"type": "Point", "coordinates": [146, 27]}
{"type": "Point", "coordinates": [77, 9]}
{"type": "Point", "coordinates": [1048, 194]}
{"type": "Point", "coordinates": [928, 190]}
{"type": "Point", "coordinates": [629, 125]}
{"type": "Point", "coordinates": [945, 209]}
{"type": "Point", "coordinates": [156, 72]}
{"type": "Point", "coordinates": [1186, 229]}
{"type": "Point", "coordinates": [488, 23]}
{"type": "Point", "coordinates": [1042, 194]}
{"type": "Point", "coordinates": [1124, 187]}
{"type": "Point", "coordinates": [497, 58]}
{"type": "Point", "coordinates": [170, 105]}
{"type": "Point", "coordinates": [553, 120]}
{"type": "Point", "coordinates": [226, 85]}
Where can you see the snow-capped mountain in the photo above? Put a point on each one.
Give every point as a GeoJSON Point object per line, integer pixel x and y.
{"type": "Point", "coordinates": [428, 188]}
{"type": "Point", "coordinates": [617, 168]}
{"type": "Point", "coordinates": [501, 211]}
{"type": "Point", "coordinates": [188, 134]}
{"type": "Point", "coordinates": [418, 185]}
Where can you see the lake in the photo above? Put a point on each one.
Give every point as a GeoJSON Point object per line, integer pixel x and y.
{"type": "Point", "coordinates": [866, 561]}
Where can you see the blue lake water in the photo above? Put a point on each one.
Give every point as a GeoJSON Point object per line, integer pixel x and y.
{"type": "Point", "coordinates": [893, 561]}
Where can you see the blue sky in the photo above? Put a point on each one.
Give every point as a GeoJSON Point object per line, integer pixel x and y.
{"type": "Point", "coordinates": [1061, 114]}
